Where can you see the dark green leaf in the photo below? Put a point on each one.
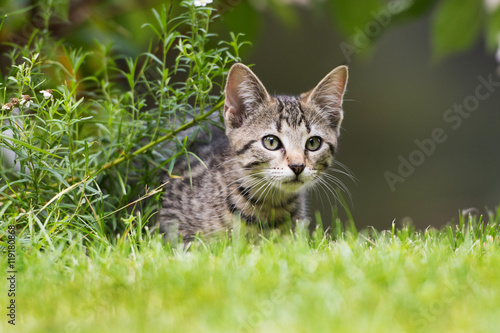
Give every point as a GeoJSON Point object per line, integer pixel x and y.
{"type": "Point", "coordinates": [414, 10]}
{"type": "Point", "coordinates": [352, 16]}
{"type": "Point", "coordinates": [456, 26]}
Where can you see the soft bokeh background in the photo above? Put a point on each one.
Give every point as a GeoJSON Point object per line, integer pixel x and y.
{"type": "Point", "coordinates": [396, 94]}
{"type": "Point", "coordinates": [400, 86]}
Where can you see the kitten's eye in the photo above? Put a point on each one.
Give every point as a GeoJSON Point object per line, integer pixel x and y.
{"type": "Point", "coordinates": [313, 143]}
{"type": "Point", "coordinates": [271, 142]}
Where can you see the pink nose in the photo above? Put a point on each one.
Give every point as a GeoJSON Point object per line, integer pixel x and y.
{"type": "Point", "coordinates": [297, 168]}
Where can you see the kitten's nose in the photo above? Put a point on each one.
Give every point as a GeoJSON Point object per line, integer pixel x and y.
{"type": "Point", "coordinates": [297, 168]}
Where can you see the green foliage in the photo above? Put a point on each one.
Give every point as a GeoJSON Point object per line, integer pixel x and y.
{"type": "Point", "coordinates": [90, 147]}
{"type": "Point", "coordinates": [456, 26]}
{"type": "Point", "coordinates": [353, 15]}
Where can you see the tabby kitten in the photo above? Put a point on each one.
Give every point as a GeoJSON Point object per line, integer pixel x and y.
{"type": "Point", "coordinates": [274, 149]}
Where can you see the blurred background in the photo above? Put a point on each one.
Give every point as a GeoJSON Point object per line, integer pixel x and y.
{"type": "Point", "coordinates": [411, 64]}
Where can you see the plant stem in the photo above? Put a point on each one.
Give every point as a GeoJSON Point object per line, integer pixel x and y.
{"type": "Point", "coordinates": [160, 139]}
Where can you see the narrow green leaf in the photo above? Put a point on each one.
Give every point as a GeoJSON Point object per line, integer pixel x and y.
{"type": "Point", "coordinates": [56, 174]}
{"type": "Point", "coordinates": [27, 145]}
{"type": "Point", "coordinates": [2, 20]}
{"type": "Point", "coordinates": [86, 158]}
{"type": "Point", "coordinates": [9, 185]}
{"type": "Point", "coordinates": [21, 11]}
{"type": "Point", "coordinates": [155, 58]}
{"type": "Point", "coordinates": [199, 159]}
{"type": "Point", "coordinates": [158, 19]}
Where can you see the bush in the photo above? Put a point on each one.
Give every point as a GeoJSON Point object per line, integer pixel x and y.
{"type": "Point", "coordinates": [91, 145]}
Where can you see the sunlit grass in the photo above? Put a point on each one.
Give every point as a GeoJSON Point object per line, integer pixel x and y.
{"type": "Point", "coordinates": [400, 281]}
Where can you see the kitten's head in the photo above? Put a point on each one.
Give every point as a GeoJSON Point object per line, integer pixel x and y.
{"type": "Point", "coordinates": [288, 141]}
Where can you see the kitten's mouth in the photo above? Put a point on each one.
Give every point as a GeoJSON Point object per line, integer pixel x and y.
{"type": "Point", "coordinates": [292, 185]}
{"type": "Point", "coordinates": [294, 181]}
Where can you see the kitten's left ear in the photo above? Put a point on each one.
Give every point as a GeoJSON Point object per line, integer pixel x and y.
{"type": "Point", "coordinates": [329, 93]}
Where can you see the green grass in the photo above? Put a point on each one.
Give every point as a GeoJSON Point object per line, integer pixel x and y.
{"type": "Point", "coordinates": [393, 281]}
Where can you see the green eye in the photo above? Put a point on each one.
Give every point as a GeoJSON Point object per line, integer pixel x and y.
{"type": "Point", "coordinates": [271, 142]}
{"type": "Point", "coordinates": [313, 143]}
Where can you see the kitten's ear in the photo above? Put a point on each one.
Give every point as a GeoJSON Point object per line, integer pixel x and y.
{"type": "Point", "coordinates": [329, 93]}
{"type": "Point", "coordinates": [244, 93]}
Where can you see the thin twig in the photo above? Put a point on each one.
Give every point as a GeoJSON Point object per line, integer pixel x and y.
{"type": "Point", "coordinates": [159, 140]}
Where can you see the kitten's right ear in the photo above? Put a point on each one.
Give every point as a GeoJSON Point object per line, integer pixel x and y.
{"type": "Point", "coordinates": [244, 93]}
{"type": "Point", "coordinates": [329, 94]}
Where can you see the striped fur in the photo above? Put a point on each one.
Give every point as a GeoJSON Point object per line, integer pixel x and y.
{"type": "Point", "coordinates": [243, 179]}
